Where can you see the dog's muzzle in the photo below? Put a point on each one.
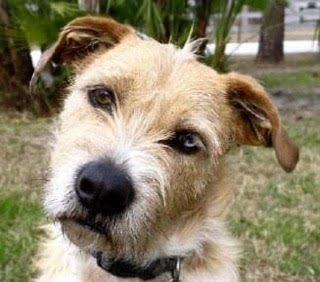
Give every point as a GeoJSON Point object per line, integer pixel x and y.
{"type": "Point", "coordinates": [106, 189]}
{"type": "Point", "coordinates": [127, 269]}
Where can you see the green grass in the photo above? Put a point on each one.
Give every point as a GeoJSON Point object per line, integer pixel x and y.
{"type": "Point", "coordinates": [22, 163]}
{"type": "Point", "coordinates": [292, 63]}
{"type": "Point", "coordinates": [301, 83]}
{"type": "Point", "coordinates": [275, 215]}
{"type": "Point", "coordinates": [18, 229]}
{"type": "Point", "coordinates": [292, 79]}
{"type": "Point", "coordinates": [23, 157]}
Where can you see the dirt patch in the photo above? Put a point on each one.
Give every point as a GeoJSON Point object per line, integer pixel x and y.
{"type": "Point", "coordinates": [296, 107]}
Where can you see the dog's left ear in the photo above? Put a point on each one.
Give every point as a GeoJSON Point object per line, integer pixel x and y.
{"type": "Point", "coordinates": [255, 119]}
{"type": "Point", "coordinates": [80, 38]}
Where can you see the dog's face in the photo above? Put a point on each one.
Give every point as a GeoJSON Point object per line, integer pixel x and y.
{"type": "Point", "coordinates": [143, 134]}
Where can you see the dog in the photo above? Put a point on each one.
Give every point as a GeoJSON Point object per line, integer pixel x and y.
{"type": "Point", "coordinates": [137, 188]}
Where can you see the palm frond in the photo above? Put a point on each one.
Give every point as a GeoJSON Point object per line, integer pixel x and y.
{"type": "Point", "coordinates": [64, 9]}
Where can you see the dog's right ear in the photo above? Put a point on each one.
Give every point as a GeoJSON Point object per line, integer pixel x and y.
{"type": "Point", "coordinates": [79, 38]}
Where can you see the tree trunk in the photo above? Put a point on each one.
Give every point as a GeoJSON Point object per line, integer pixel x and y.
{"type": "Point", "coordinates": [15, 63]}
{"type": "Point", "coordinates": [15, 53]}
{"type": "Point", "coordinates": [272, 33]}
{"type": "Point", "coordinates": [203, 7]}
{"type": "Point", "coordinates": [89, 5]}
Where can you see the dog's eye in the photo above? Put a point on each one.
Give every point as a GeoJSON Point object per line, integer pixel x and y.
{"type": "Point", "coordinates": [185, 142]}
{"type": "Point", "coordinates": [102, 97]}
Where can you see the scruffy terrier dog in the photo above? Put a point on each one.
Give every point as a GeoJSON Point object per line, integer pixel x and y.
{"type": "Point", "coordinates": [137, 190]}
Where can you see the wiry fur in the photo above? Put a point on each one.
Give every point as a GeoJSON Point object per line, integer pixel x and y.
{"type": "Point", "coordinates": [180, 199]}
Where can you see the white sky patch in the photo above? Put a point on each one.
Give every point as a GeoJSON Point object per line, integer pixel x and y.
{"type": "Point", "coordinates": [35, 55]}
{"type": "Point", "coordinates": [251, 48]}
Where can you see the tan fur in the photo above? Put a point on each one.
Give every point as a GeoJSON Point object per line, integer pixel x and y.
{"type": "Point", "coordinates": [181, 199]}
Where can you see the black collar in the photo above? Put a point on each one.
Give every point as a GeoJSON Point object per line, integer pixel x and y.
{"type": "Point", "coordinates": [128, 269]}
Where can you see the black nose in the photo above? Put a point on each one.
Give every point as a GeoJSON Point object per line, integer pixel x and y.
{"type": "Point", "coordinates": [105, 188]}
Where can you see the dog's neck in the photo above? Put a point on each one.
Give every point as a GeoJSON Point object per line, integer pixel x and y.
{"type": "Point", "coordinates": [128, 269]}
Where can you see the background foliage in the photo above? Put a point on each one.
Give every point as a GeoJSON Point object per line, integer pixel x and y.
{"type": "Point", "coordinates": [25, 25]}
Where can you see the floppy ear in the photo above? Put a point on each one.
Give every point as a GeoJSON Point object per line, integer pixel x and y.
{"type": "Point", "coordinates": [79, 38]}
{"type": "Point", "coordinates": [256, 120]}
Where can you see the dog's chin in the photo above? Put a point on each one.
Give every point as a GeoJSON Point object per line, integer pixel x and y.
{"type": "Point", "coordinates": [114, 234]}
{"type": "Point", "coordinates": [91, 240]}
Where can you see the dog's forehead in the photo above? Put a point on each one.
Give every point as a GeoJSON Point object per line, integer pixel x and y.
{"type": "Point", "coordinates": [161, 78]}
{"type": "Point", "coordinates": [148, 65]}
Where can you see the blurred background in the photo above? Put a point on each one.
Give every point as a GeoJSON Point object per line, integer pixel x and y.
{"type": "Point", "coordinates": [275, 215]}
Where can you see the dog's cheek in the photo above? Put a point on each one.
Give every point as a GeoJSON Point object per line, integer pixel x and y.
{"type": "Point", "coordinates": [59, 194]}
{"type": "Point", "coordinates": [189, 178]}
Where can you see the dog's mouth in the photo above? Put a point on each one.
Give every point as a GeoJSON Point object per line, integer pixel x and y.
{"type": "Point", "coordinates": [92, 225]}
{"type": "Point", "coordinates": [91, 222]}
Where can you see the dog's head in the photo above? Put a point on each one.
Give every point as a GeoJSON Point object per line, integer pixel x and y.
{"type": "Point", "coordinates": [143, 133]}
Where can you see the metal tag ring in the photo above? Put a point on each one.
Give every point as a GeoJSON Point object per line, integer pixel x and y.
{"type": "Point", "coordinates": [176, 271]}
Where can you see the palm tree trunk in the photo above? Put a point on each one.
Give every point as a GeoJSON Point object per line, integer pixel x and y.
{"type": "Point", "coordinates": [272, 33]}
{"type": "Point", "coordinates": [89, 5]}
{"type": "Point", "coordinates": [15, 64]}
{"type": "Point", "coordinates": [204, 11]}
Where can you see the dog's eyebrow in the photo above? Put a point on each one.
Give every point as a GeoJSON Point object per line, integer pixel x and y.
{"type": "Point", "coordinates": [201, 123]}
{"type": "Point", "coordinates": [92, 86]}
{"type": "Point", "coordinates": [116, 81]}
{"type": "Point", "coordinates": [187, 125]}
